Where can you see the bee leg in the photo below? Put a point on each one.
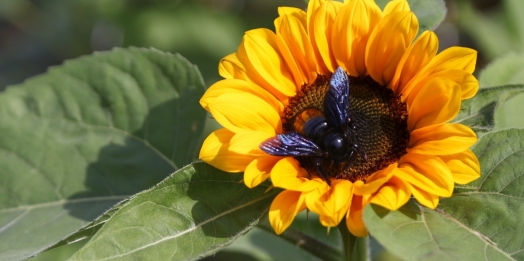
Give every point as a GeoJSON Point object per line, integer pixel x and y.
{"type": "Point", "coordinates": [350, 159]}
{"type": "Point", "coordinates": [321, 172]}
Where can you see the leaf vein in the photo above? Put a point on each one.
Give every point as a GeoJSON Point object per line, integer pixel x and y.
{"type": "Point", "coordinates": [189, 229]}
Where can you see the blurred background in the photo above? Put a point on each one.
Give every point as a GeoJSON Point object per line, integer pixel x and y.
{"type": "Point", "coordinates": [36, 34]}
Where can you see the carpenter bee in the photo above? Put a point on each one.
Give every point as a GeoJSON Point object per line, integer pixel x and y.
{"type": "Point", "coordinates": [328, 138]}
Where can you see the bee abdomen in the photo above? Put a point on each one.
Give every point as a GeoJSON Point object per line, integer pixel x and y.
{"type": "Point", "coordinates": [311, 124]}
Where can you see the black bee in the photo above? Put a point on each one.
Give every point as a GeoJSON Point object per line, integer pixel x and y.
{"type": "Point", "coordinates": [327, 137]}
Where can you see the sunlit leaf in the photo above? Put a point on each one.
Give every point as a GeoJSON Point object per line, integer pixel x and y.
{"type": "Point", "coordinates": [88, 134]}
{"type": "Point", "coordinates": [193, 213]}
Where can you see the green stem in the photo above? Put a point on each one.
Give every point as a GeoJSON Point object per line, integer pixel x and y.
{"type": "Point", "coordinates": [307, 243]}
{"type": "Point", "coordinates": [356, 248]}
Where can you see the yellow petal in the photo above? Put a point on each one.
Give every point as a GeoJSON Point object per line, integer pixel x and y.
{"type": "Point", "coordinates": [426, 172]}
{"type": "Point", "coordinates": [338, 201]}
{"type": "Point", "coordinates": [265, 64]}
{"type": "Point", "coordinates": [215, 151]}
{"type": "Point", "coordinates": [351, 30]}
{"type": "Point", "coordinates": [331, 202]}
{"type": "Point", "coordinates": [320, 25]}
{"type": "Point", "coordinates": [314, 199]}
{"type": "Point", "coordinates": [375, 181]}
{"type": "Point", "coordinates": [328, 221]}
{"type": "Point", "coordinates": [393, 195]}
{"type": "Point", "coordinates": [424, 198]}
{"type": "Point", "coordinates": [288, 174]}
{"type": "Point", "coordinates": [312, 7]}
{"type": "Point", "coordinates": [464, 166]}
{"type": "Point", "coordinates": [231, 68]}
{"type": "Point", "coordinates": [334, 219]}
{"type": "Point", "coordinates": [259, 170]}
{"type": "Point", "coordinates": [244, 111]}
{"type": "Point", "coordinates": [441, 139]}
{"type": "Point", "coordinates": [238, 86]}
{"type": "Point", "coordinates": [284, 209]}
{"type": "Point", "coordinates": [437, 102]}
{"type": "Point", "coordinates": [469, 85]}
{"type": "Point", "coordinates": [354, 220]}
{"type": "Point", "coordinates": [388, 42]}
{"type": "Point", "coordinates": [396, 6]}
{"type": "Point", "coordinates": [292, 30]}
{"type": "Point", "coordinates": [418, 55]}
{"type": "Point", "coordinates": [248, 142]}
{"type": "Point", "coordinates": [297, 12]}
{"type": "Point", "coordinates": [290, 61]}
{"type": "Point", "coordinates": [454, 58]}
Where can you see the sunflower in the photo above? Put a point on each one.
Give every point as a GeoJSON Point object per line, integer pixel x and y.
{"type": "Point", "coordinates": [402, 97]}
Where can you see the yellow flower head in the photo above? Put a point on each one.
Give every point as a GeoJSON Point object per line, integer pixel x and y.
{"type": "Point", "coordinates": [402, 95]}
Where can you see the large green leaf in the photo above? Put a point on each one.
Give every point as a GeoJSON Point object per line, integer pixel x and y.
{"type": "Point", "coordinates": [417, 233]}
{"type": "Point", "coordinates": [88, 134]}
{"type": "Point", "coordinates": [494, 204]}
{"type": "Point", "coordinates": [144, 92]}
{"type": "Point", "coordinates": [479, 111]}
{"type": "Point", "coordinates": [193, 213]}
{"type": "Point", "coordinates": [481, 221]}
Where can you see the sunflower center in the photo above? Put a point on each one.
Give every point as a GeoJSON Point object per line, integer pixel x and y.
{"type": "Point", "coordinates": [379, 120]}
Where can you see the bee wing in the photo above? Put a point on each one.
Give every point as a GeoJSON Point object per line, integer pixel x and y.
{"type": "Point", "coordinates": [336, 101]}
{"type": "Point", "coordinates": [290, 144]}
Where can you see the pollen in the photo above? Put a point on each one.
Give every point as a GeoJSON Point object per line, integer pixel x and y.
{"type": "Point", "coordinates": [379, 119]}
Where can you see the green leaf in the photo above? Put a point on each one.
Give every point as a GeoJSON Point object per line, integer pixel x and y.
{"type": "Point", "coordinates": [481, 221]}
{"type": "Point", "coordinates": [195, 212]}
{"type": "Point", "coordinates": [508, 69]}
{"type": "Point", "coordinates": [88, 134]}
{"type": "Point", "coordinates": [144, 92]}
{"type": "Point", "coordinates": [430, 13]}
{"type": "Point", "coordinates": [493, 205]}
{"type": "Point", "coordinates": [417, 233]}
{"type": "Point", "coordinates": [479, 111]}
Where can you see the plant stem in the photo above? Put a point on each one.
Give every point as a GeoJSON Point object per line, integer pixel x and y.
{"type": "Point", "coordinates": [307, 243]}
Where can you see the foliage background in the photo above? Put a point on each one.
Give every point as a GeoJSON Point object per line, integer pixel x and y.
{"type": "Point", "coordinates": [36, 34]}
